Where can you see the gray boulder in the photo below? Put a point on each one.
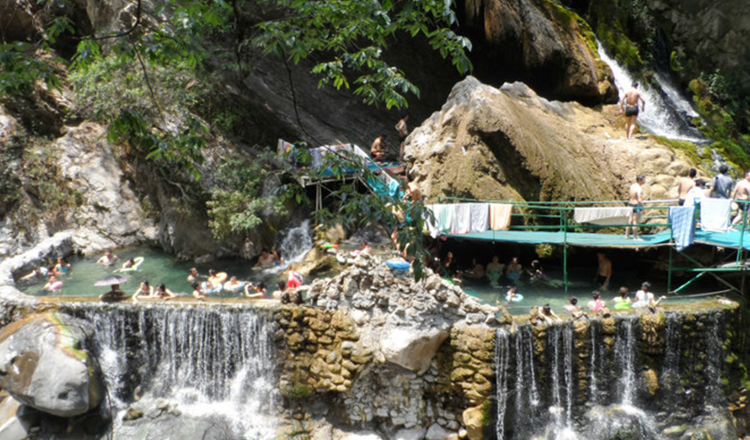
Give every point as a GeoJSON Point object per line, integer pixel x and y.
{"type": "Point", "coordinates": [43, 364]}
{"type": "Point", "coordinates": [412, 348]}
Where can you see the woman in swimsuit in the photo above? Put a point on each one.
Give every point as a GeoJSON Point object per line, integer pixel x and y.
{"type": "Point", "coordinates": [514, 269]}
{"type": "Point", "coordinates": [258, 292]}
{"type": "Point", "coordinates": [145, 290]}
{"type": "Point", "coordinates": [622, 302]}
{"type": "Point", "coordinates": [62, 267]}
{"type": "Point", "coordinates": [596, 304]}
{"type": "Point", "coordinates": [162, 292]}
{"type": "Point", "coordinates": [494, 270]}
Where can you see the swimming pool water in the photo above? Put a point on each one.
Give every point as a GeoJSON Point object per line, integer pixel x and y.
{"type": "Point", "coordinates": [157, 267]}
{"type": "Point", "coordinates": [160, 267]}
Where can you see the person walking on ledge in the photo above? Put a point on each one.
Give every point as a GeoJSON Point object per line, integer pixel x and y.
{"type": "Point", "coordinates": [635, 202]}
{"type": "Point", "coordinates": [629, 105]}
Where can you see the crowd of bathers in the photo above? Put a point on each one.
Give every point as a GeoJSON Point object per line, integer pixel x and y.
{"type": "Point", "coordinates": [644, 298]}
{"type": "Point", "coordinates": [493, 272]}
{"type": "Point", "coordinates": [212, 284]}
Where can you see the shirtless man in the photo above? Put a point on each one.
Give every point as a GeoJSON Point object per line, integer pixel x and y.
{"type": "Point", "coordinates": [403, 132]}
{"type": "Point", "coordinates": [635, 202]}
{"type": "Point", "coordinates": [413, 192]}
{"type": "Point", "coordinates": [629, 105]}
{"type": "Point", "coordinates": [604, 273]}
{"type": "Point", "coordinates": [685, 185]}
{"type": "Point", "coordinates": [378, 150]}
{"type": "Point", "coordinates": [741, 192]}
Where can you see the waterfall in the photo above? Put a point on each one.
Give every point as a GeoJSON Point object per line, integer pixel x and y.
{"type": "Point", "coordinates": [536, 390]}
{"type": "Point", "coordinates": [670, 377]}
{"type": "Point", "coordinates": [295, 243]}
{"type": "Point", "coordinates": [666, 110]}
{"type": "Point", "coordinates": [714, 357]}
{"type": "Point", "coordinates": [502, 355]}
{"type": "Point", "coordinates": [625, 355]}
{"type": "Point", "coordinates": [595, 364]}
{"type": "Point", "coordinates": [210, 360]}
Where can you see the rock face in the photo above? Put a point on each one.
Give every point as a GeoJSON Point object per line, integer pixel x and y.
{"type": "Point", "coordinates": [110, 207]}
{"type": "Point", "coordinates": [510, 144]}
{"type": "Point", "coordinates": [551, 47]}
{"type": "Point", "coordinates": [708, 35]}
{"type": "Point", "coordinates": [44, 366]}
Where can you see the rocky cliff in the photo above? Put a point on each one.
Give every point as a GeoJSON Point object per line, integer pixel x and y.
{"type": "Point", "coordinates": [708, 36]}
{"type": "Point", "coordinates": [511, 144]}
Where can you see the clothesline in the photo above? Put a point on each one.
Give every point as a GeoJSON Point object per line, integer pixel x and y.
{"type": "Point", "coordinates": [462, 218]}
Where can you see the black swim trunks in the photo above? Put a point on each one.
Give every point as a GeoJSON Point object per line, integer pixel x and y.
{"type": "Point", "coordinates": [631, 110]}
{"type": "Point", "coordinates": [600, 279]}
{"type": "Point", "coordinates": [636, 208]}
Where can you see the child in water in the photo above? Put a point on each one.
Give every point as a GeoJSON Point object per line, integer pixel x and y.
{"type": "Point", "coordinates": [512, 295]}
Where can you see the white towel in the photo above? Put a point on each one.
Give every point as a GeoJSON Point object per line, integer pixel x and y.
{"type": "Point", "coordinates": [500, 216]}
{"type": "Point", "coordinates": [480, 217]}
{"type": "Point", "coordinates": [431, 226]}
{"type": "Point", "coordinates": [445, 218]}
{"type": "Point", "coordinates": [715, 214]}
{"type": "Point", "coordinates": [603, 216]}
{"type": "Point", "coordinates": [462, 218]}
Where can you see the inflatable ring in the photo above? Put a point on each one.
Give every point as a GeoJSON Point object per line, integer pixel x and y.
{"type": "Point", "coordinates": [136, 262]}
{"type": "Point", "coordinates": [237, 288]}
{"type": "Point", "coordinates": [517, 298]}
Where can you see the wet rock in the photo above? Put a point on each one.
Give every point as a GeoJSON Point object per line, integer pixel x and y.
{"type": "Point", "coordinates": [45, 365]}
{"type": "Point", "coordinates": [437, 432]}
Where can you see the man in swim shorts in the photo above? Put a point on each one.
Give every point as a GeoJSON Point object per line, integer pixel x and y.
{"type": "Point", "coordinates": [742, 195]}
{"type": "Point", "coordinates": [604, 273]}
{"type": "Point", "coordinates": [629, 105]}
{"type": "Point", "coordinates": [635, 202]}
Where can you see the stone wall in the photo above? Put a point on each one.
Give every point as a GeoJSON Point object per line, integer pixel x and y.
{"type": "Point", "coordinates": [376, 349]}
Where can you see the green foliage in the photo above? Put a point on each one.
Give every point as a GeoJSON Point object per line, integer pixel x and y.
{"type": "Point", "coordinates": [686, 147]}
{"type": "Point", "coordinates": [352, 34]}
{"type": "Point", "coordinates": [723, 124]}
{"type": "Point", "coordinates": [21, 68]}
{"type": "Point", "coordinates": [624, 50]}
{"type": "Point", "coordinates": [236, 202]}
{"type": "Point", "coordinates": [674, 62]}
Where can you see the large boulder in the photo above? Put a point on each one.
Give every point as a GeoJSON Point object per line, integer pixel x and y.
{"type": "Point", "coordinates": [511, 144]}
{"type": "Point", "coordinates": [412, 348]}
{"type": "Point", "coordinates": [44, 364]}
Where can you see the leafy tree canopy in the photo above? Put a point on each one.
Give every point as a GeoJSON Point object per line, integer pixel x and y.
{"type": "Point", "coordinates": [146, 82]}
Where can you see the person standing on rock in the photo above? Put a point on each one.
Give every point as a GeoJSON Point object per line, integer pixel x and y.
{"type": "Point", "coordinates": [629, 105]}
{"type": "Point", "coordinates": [635, 202]}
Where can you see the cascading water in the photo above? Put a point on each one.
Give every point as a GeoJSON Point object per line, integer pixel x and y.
{"type": "Point", "coordinates": [604, 367]}
{"type": "Point", "coordinates": [295, 243]}
{"type": "Point", "coordinates": [502, 354]}
{"type": "Point", "coordinates": [625, 355]}
{"type": "Point", "coordinates": [666, 112]}
{"type": "Point", "coordinates": [212, 361]}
